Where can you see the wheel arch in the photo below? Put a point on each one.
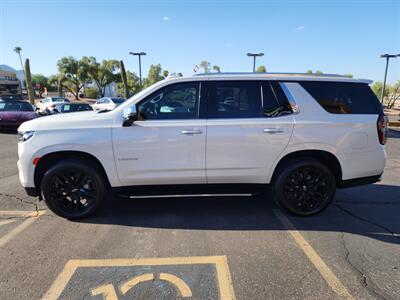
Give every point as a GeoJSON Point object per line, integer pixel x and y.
{"type": "Point", "coordinates": [50, 159]}
{"type": "Point", "coordinates": [325, 157]}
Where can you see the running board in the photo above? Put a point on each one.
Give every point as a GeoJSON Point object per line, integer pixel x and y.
{"type": "Point", "coordinates": [192, 190]}
{"type": "Point", "coordinates": [185, 196]}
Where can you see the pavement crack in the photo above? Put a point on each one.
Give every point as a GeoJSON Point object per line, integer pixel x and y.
{"type": "Point", "coordinates": [394, 234]}
{"type": "Point", "coordinates": [364, 279]}
{"type": "Point", "coordinates": [22, 200]}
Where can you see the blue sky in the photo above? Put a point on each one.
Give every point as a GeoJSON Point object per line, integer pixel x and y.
{"type": "Point", "coordinates": [332, 36]}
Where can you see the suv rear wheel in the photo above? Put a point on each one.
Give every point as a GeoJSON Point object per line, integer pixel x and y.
{"type": "Point", "coordinates": [73, 189]}
{"type": "Point", "coordinates": [304, 186]}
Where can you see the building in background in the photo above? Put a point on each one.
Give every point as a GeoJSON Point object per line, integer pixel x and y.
{"type": "Point", "coordinates": [9, 83]}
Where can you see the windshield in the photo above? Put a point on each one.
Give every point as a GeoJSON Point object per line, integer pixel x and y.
{"type": "Point", "coordinates": [15, 106]}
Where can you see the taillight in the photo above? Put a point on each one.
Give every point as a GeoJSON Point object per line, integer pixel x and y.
{"type": "Point", "coordinates": [53, 106]}
{"type": "Point", "coordinates": [382, 125]}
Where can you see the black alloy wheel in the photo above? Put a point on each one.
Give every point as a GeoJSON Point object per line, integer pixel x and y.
{"type": "Point", "coordinates": [304, 187]}
{"type": "Point", "coordinates": [73, 189]}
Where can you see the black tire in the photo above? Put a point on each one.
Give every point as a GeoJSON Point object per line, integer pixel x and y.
{"type": "Point", "coordinates": [304, 187]}
{"type": "Point", "coordinates": [73, 189]}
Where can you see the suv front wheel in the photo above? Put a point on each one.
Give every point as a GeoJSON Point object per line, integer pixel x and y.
{"type": "Point", "coordinates": [304, 186]}
{"type": "Point", "coordinates": [73, 189]}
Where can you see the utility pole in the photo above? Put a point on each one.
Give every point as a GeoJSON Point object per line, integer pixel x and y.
{"type": "Point", "coordinates": [388, 57]}
{"type": "Point", "coordinates": [254, 55]}
{"type": "Point", "coordinates": [139, 54]}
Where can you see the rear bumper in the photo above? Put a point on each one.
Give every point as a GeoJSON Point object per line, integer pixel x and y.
{"type": "Point", "coordinates": [359, 181]}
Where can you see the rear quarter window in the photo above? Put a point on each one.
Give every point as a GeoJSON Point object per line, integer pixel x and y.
{"type": "Point", "coordinates": [344, 97]}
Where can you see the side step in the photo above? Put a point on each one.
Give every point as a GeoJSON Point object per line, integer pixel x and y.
{"type": "Point", "coordinates": [185, 196]}
{"type": "Point", "coordinates": [190, 190]}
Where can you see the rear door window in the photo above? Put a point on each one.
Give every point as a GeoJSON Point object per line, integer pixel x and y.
{"type": "Point", "coordinates": [344, 97]}
{"type": "Point", "coordinates": [234, 99]}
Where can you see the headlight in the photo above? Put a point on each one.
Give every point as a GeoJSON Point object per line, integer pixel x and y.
{"type": "Point", "coordinates": [25, 135]}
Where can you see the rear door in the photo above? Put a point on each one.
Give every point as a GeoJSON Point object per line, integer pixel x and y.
{"type": "Point", "coordinates": [249, 124]}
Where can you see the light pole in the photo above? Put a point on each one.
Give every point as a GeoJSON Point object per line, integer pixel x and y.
{"type": "Point", "coordinates": [139, 54]}
{"type": "Point", "coordinates": [254, 55]}
{"type": "Point", "coordinates": [388, 57]}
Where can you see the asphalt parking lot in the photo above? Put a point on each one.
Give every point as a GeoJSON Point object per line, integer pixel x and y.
{"type": "Point", "coordinates": [202, 248]}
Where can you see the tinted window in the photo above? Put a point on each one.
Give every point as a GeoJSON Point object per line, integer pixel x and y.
{"type": "Point", "coordinates": [234, 99]}
{"type": "Point", "coordinates": [344, 97]}
{"type": "Point", "coordinates": [76, 107]}
{"type": "Point", "coordinates": [178, 101]}
{"type": "Point", "coordinates": [275, 103]}
{"type": "Point", "coordinates": [15, 106]}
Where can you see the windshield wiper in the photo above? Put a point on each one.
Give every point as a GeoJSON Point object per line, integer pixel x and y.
{"type": "Point", "coordinates": [103, 110]}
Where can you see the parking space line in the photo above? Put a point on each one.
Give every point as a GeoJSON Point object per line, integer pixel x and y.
{"type": "Point", "coordinates": [31, 216]}
{"type": "Point", "coordinates": [220, 262]}
{"type": "Point", "coordinates": [313, 256]}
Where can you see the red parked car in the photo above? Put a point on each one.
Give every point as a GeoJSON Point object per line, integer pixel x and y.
{"type": "Point", "coordinates": [13, 113]}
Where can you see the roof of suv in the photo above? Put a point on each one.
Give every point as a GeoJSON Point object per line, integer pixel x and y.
{"type": "Point", "coordinates": [279, 76]}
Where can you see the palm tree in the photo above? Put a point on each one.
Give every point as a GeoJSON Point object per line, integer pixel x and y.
{"type": "Point", "coordinates": [18, 51]}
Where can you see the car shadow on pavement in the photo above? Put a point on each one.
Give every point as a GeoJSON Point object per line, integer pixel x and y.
{"type": "Point", "coordinates": [371, 211]}
{"type": "Point", "coordinates": [393, 133]}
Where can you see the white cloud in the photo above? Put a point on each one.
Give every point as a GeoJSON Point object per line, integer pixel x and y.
{"type": "Point", "coordinates": [300, 28]}
{"type": "Point", "coordinates": [166, 18]}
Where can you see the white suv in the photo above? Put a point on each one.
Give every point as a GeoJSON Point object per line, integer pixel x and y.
{"type": "Point", "coordinates": [302, 136]}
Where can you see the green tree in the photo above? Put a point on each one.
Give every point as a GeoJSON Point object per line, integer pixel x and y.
{"type": "Point", "coordinates": [74, 74]}
{"type": "Point", "coordinates": [42, 80]}
{"type": "Point", "coordinates": [165, 73]}
{"type": "Point", "coordinates": [394, 94]}
{"type": "Point", "coordinates": [309, 72]}
{"type": "Point", "coordinates": [133, 85]}
{"type": "Point", "coordinates": [261, 69]}
{"type": "Point", "coordinates": [216, 69]}
{"type": "Point", "coordinates": [18, 51]}
{"type": "Point", "coordinates": [318, 72]}
{"type": "Point", "coordinates": [377, 89]}
{"type": "Point", "coordinates": [155, 75]}
{"type": "Point", "coordinates": [205, 65]}
{"type": "Point", "coordinates": [349, 75]}
{"type": "Point", "coordinates": [101, 74]}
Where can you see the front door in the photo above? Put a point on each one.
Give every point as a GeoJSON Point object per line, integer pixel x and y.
{"type": "Point", "coordinates": [168, 145]}
{"type": "Point", "coordinates": [249, 124]}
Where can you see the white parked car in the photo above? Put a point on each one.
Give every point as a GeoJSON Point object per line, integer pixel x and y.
{"type": "Point", "coordinates": [108, 103]}
{"type": "Point", "coordinates": [49, 103]}
{"type": "Point", "coordinates": [302, 136]}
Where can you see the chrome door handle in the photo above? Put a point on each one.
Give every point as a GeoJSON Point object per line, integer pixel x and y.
{"type": "Point", "coordinates": [192, 131]}
{"type": "Point", "coordinates": [274, 130]}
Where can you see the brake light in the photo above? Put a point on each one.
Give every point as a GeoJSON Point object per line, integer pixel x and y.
{"type": "Point", "coordinates": [382, 126]}
{"type": "Point", "coordinates": [53, 106]}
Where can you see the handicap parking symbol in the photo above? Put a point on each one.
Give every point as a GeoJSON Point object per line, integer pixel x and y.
{"type": "Point", "coordinates": [204, 277]}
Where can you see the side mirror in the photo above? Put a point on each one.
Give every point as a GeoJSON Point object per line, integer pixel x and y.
{"type": "Point", "coordinates": [130, 115]}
